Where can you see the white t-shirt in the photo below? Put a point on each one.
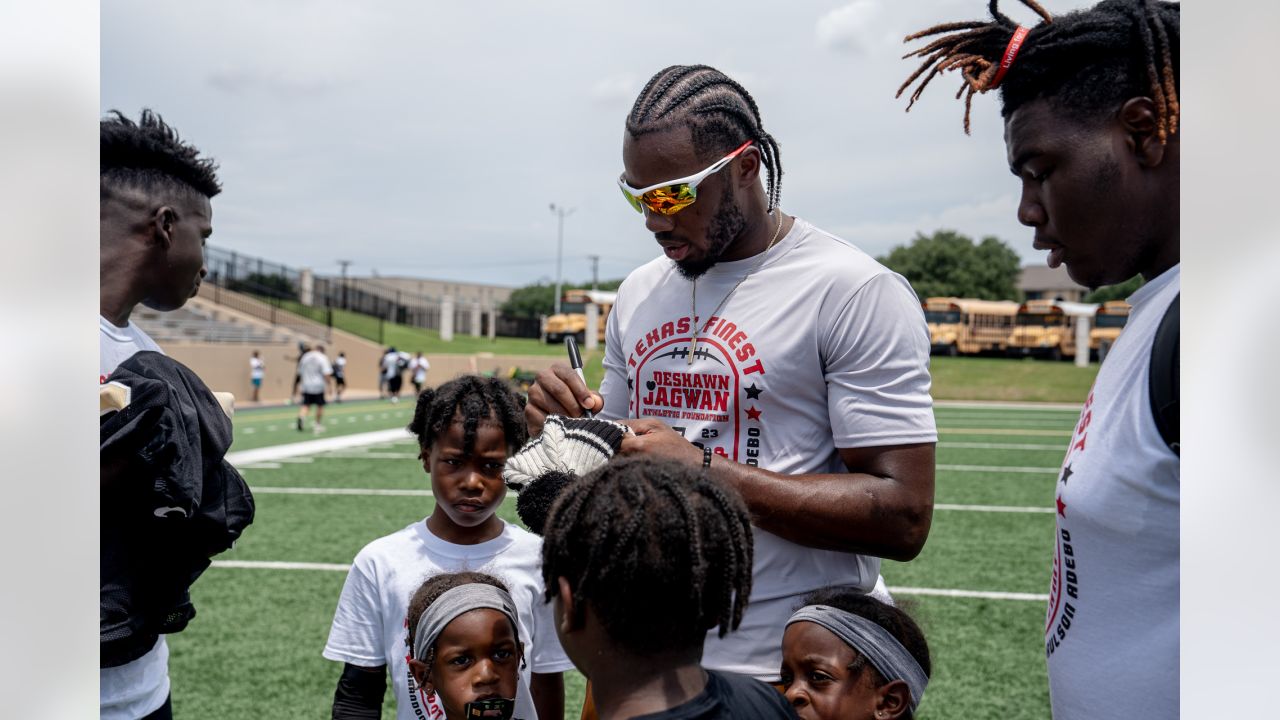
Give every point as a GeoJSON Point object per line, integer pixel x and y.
{"type": "Point", "coordinates": [138, 688]}
{"type": "Point", "coordinates": [314, 367]}
{"type": "Point", "coordinates": [369, 626]}
{"type": "Point", "coordinates": [1111, 631]}
{"type": "Point", "coordinates": [419, 366]}
{"type": "Point", "coordinates": [255, 368]}
{"type": "Point", "coordinates": [391, 365]}
{"type": "Point", "coordinates": [339, 365]}
{"type": "Point", "coordinates": [821, 348]}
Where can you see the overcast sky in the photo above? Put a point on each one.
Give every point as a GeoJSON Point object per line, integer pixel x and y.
{"type": "Point", "coordinates": [429, 138]}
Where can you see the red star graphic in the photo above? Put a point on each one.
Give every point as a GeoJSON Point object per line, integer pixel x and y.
{"type": "Point", "coordinates": [1062, 507]}
{"type": "Point", "coordinates": [753, 413]}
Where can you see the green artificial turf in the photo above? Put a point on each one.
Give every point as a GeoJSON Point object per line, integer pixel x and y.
{"type": "Point", "coordinates": [254, 649]}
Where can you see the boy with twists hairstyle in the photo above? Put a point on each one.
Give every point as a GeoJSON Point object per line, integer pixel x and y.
{"type": "Point", "coordinates": [642, 557]}
{"type": "Point", "coordinates": [1090, 106]}
{"type": "Point", "coordinates": [848, 656]}
{"type": "Point", "coordinates": [466, 429]}
{"type": "Point", "coordinates": [155, 216]}
{"type": "Point", "coordinates": [787, 362]}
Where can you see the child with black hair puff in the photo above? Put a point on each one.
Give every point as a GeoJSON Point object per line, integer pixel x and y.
{"type": "Point", "coordinates": [849, 656]}
{"type": "Point", "coordinates": [466, 429]}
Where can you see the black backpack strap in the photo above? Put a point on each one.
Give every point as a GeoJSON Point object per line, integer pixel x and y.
{"type": "Point", "coordinates": [1163, 381]}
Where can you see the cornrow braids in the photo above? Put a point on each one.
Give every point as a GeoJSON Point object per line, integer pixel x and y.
{"type": "Point", "coordinates": [1088, 61]}
{"type": "Point", "coordinates": [148, 155]}
{"type": "Point", "coordinates": [894, 620]}
{"type": "Point", "coordinates": [661, 552]}
{"type": "Point", "coordinates": [721, 114]}
{"type": "Point", "coordinates": [427, 593]}
{"type": "Point", "coordinates": [471, 400]}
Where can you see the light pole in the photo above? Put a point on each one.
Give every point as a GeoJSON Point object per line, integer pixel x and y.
{"type": "Point", "coordinates": [561, 213]}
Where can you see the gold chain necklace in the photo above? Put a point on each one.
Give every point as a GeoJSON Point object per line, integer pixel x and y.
{"type": "Point", "coordinates": [693, 347]}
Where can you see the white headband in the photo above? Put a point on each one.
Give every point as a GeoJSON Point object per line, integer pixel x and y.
{"type": "Point", "coordinates": [873, 642]}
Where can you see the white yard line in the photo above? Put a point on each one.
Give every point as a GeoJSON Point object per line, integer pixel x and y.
{"type": "Point", "coordinates": [1003, 431]}
{"type": "Point", "coordinates": [1001, 446]}
{"type": "Point", "coordinates": [341, 567]}
{"type": "Point", "coordinates": [993, 508]}
{"type": "Point", "coordinates": [979, 594]}
{"type": "Point", "coordinates": [371, 492]}
{"type": "Point", "coordinates": [279, 565]}
{"type": "Point", "coordinates": [371, 455]}
{"type": "Point", "coordinates": [276, 453]}
{"type": "Point", "coordinates": [999, 469]}
{"type": "Point", "coordinates": [997, 405]}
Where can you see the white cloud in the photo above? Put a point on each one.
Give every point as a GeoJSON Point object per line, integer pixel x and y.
{"type": "Point", "coordinates": [854, 28]}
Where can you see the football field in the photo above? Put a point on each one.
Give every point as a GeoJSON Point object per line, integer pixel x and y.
{"type": "Point", "coordinates": [978, 588]}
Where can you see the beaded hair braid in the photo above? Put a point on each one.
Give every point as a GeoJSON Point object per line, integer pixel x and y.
{"type": "Point", "coordinates": [1089, 61]}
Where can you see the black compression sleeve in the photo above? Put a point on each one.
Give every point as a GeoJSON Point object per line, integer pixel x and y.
{"type": "Point", "coordinates": [359, 693]}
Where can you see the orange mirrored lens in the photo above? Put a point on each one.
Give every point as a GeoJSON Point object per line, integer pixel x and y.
{"type": "Point", "coordinates": [670, 200]}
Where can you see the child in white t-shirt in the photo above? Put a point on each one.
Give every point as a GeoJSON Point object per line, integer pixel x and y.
{"type": "Point", "coordinates": [466, 429]}
{"type": "Point", "coordinates": [465, 647]}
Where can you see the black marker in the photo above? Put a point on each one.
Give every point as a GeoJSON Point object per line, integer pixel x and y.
{"type": "Point", "coordinates": [575, 362]}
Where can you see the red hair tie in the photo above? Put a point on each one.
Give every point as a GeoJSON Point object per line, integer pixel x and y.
{"type": "Point", "coordinates": [1010, 52]}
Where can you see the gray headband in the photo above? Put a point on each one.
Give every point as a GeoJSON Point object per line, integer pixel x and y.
{"type": "Point", "coordinates": [456, 601]}
{"type": "Point", "coordinates": [873, 642]}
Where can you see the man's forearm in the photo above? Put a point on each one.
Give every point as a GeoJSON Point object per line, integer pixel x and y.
{"type": "Point", "coordinates": [850, 512]}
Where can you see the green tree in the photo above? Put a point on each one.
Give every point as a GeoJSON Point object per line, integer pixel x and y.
{"type": "Point", "coordinates": [530, 301]}
{"type": "Point", "coordinates": [948, 264]}
{"type": "Point", "coordinates": [1119, 291]}
{"type": "Point", "coordinates": [540, 299]}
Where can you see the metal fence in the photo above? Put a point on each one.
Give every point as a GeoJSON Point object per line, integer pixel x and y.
{"type": "Point", "coordinates": [283, 287]}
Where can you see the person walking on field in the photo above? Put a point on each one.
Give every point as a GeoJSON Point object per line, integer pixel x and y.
{"type": "Point", "coordinates": [339, 376]}
{"type": "Point", "coordinates": [1091, 106]}
{"type": "Point", "coordinates": [315, 375]}
{"type": "Point", "coordinates": [256, 371]}
{"type": "Point", "coordinates": [419, 368]}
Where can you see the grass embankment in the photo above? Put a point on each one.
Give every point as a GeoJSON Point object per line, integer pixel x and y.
{"type": "Point", "coordinates": [1010, 379]}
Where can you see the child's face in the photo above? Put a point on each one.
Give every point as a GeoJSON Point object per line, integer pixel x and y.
{"type": "Point", "coordinates": [468, 487]}
{"type": "Point", "coordinates": [816, 676]}
{"type": "Point", "coordinates": [476, 658]}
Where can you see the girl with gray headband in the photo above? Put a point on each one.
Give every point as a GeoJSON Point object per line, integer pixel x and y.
{"type": "Point", "coordinates": [847, 655]}
{"type": "Point", "coordinates": [465, 651]}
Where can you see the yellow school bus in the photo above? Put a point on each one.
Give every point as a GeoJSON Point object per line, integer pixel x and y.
{"type": "Point", "coordinates": [967, 326]}
{"type": "Point", "coordinates": [1044, 329]}
{"type": "Point", "coordinates": [572, 319]}
{"type": "Point", "coordinates": [1108, 320]}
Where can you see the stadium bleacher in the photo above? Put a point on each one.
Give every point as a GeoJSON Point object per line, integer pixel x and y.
{"type": "Point", "coordinates": [197, 324]}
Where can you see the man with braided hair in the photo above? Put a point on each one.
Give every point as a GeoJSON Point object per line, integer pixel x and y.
{"type": "Point", "coordinates": [643, 558]}
{"type": "Point", "coordinates": [1090, 106]}
{"type": "Point", "coordinates": [786, 361]}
